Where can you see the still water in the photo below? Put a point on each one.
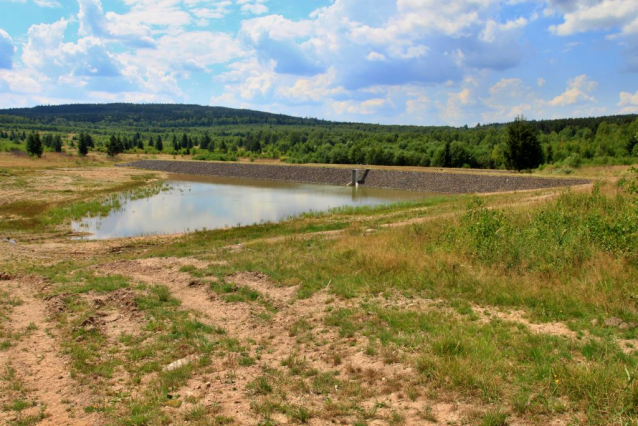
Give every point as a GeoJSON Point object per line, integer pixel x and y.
{"type": "Point", "coordinates": [190, 203]}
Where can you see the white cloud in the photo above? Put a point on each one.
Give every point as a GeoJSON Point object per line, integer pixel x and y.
{"type": "Point", "coordinates": [494, 30]}
{"type": "Point", "coordinates": [7, 50]}
{"type": "Point", "coordinates": [541, 82]}
{"type": "Point", "coordinates": [374, 56]}
{"type": "Point", "coordinates": [578, 90]}
{"type": "Point", "coordinates": [255, 7]}
{"type": "Point", "coordinates": [509, 98]}
{"type": "Point", "coordinates": [369, 107]}
{"type": "Point", "coordinates": [628, 102]}
{"type": "Point", "coordinates": [318, 88]}
{"type": "Point", "coordinates": [216, 10]}
{"type": "Point", "coordinates": [43, 42]}
{"type": "Point", "coordinates": [20, 82]}
{"type": "Point", "coordinates": [587, 15]}
{"type": "Point", "coordinates": [194, 50]}
{"type": "Point", "coordinates": [453, 110]}
{"type": "Point", "coordinates": [128, 28]}
{"type": "Point", "coordinates": [47, 3]}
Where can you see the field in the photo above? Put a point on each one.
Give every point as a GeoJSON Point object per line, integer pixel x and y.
{"type": "Point", "coordinates": [504, 309]}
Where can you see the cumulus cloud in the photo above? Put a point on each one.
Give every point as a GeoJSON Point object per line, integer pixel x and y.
{"type": "Point", "coordinates": [509, 98]}
{"type": "Point", "coordinates": [313, 89]}
{"type": "Point", "coordinates": [43, 42]}
{"type": "Point", "coordinates": [628, 103]}
{"type": "Point", "coordinates": [7, 50]}
{"type": "Point", "coordinates": [368, 107]}
{"type": "Point", "coordinates": [255, 7]}
{"type": "Point", "coordinates": [586, 15]}
{"type": "Point", "coordinates": [128, 28]}
{"type": "Point", "coordinates": [192, 51]}
{"type": "Point", "coordinates": [452, 111]}
{"type": "Point", "coordinates": [216, 10]}
{"type": "Point", "coordinates": [19, 82]}
{"type": "Point", "coordinates": [389, 43]}
{"type": "Point", "coordinates": [578, 90]}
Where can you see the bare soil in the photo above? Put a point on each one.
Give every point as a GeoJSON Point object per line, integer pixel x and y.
{"type": "Point", "coordinates": [39, 365]}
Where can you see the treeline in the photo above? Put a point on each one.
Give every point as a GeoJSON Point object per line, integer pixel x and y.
{"type": "Point", "coordinates": [569, 142]}
{"type": "Point", "coordinates": [158, 115]}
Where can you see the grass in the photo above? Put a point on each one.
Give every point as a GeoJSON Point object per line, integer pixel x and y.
{"type": "Point", "coordinates": [448, 299]}
{"type": "Point", "coordinates": [572, 261]}
{"type": "Point", "coordinates": [46, 210]}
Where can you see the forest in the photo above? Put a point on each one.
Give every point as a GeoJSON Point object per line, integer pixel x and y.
{"type": "Point", "coordinates": [224, 134]}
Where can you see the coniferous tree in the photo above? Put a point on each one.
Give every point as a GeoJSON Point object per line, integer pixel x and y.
{"type": "Point", "coordinates": [47, 140]}
{"type": "Point", "coordinates": [184, 143]}
{"type": "Point", "coordinates": [206, 142]}
{"type": "Point", "coordinates": [34, 145]}
{"type": "Point", "coordinates": [151, 142]}
{"type": "Point", "coordinates": [56, 145]}
{"type": "Point", "coordinates": [83, 147]}
{"type": "Point", "coordinates": [114, 146]}
{"type": "Point", "coordinates": [159, 145]}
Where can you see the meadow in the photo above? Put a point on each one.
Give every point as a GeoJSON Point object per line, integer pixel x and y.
{"type": "Point", "coordinates": [503, 309]}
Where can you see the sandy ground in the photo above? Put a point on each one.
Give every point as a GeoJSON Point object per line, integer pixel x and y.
{"type": "Point", "coordinates": [41, 364]}
{"type": "Point", "coordinates": [37, 367]}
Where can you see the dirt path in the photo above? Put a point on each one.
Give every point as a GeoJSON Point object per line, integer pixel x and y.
{"type": "Point", "coordinates": [40, 371]}
{"type": "Point", "coordinates": [280, 343]}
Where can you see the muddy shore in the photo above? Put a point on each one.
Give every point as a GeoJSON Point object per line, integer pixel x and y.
{"type": "Point", "coordinates": [451, 183]}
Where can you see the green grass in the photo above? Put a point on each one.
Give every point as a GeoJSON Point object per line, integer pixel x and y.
{"type": "Point", "coordinates": [44, 216]}
{"type": "Point", "coordinates": [572, 260]}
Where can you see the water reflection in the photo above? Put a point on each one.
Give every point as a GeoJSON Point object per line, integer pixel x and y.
{"type": "Point", "coordinates": [194, 202]}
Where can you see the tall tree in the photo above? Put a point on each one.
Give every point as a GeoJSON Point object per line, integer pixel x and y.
{"type": "Point", "coordinates": [83, 146]}
{"type": "Point", "coordinates": [205, 142]}
{"type": "Point", "coordinates": [114, 146]}
{"type": "Point", "coordinates": [34, 145]}
{"type": "Point", "coordinates": [56, 145]}
{"type": "Point", "coordinates": [522, 148]}
{"type": "Point", "coordinates": [159, 145]}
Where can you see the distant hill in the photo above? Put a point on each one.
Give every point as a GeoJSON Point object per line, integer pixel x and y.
{"type": "Point", "coordinates": [179, 115]}
{"type": "Point", "coordinates": [217, 132]}
{"type": "Point", "coordinates": [163, 115]}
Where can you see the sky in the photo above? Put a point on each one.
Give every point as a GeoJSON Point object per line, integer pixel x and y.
{"type": "Point", "coordinates": [423, 62]}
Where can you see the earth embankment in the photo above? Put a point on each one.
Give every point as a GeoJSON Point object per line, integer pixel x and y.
{"type": "Point", "coordinates": [451, 183]}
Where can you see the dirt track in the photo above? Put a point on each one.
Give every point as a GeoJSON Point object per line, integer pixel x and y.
{"type": "Point", "coordinates": [451, 183]}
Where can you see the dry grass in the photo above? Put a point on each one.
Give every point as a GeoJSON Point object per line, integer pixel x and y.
{"type": "Point", "coordinates": [491, 314]}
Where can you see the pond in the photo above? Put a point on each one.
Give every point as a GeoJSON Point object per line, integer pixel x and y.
{"type": "Point", "coordinates": [188, 203]}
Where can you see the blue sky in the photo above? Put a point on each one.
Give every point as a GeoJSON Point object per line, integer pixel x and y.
{"type": "Point", "coordinates": [380, 61]}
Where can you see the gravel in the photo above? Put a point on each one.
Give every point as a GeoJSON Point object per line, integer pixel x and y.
{"type": "Point", "coordinates": [451, 183]}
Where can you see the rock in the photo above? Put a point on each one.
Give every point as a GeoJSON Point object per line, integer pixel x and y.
{"type": "Point", "coordinates": [620, 324]}
{"type": "Point", "coordinates": [390, 179]}
{"type": "Point", "coordinates": [179, 363]}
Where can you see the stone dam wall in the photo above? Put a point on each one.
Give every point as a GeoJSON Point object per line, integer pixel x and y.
{"type": "Point", "coordinates": [441, 182]}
